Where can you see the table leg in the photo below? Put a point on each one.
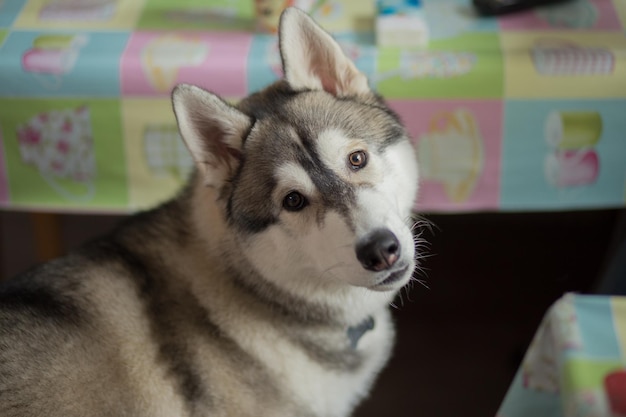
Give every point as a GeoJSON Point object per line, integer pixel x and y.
{"type": "Point", "coordinates": [47, 235]}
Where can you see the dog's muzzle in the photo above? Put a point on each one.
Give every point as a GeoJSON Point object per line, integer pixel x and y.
{"type": "Point", "coordinates": [378, 251]}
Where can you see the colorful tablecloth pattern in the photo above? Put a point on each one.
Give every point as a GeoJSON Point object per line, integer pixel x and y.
{"type": "Point", "coordinates": [527, 112]}
{"type": "Point", "coordinates": [576, 364]}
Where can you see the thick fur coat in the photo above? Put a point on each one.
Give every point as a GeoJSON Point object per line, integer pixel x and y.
{"type": "Point", "coordinates": [261, 290]}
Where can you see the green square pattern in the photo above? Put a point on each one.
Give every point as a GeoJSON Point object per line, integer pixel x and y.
{"type": "Point", "coordinates": [470, 66]}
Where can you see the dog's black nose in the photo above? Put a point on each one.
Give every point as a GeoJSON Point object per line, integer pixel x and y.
{"type": "Point", "coordinates": [379, 250]}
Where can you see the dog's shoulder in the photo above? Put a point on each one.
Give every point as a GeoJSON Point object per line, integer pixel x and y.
{"type": "Point", "coordinates": [61, 289]}
{"type": "Point", "coordinates": [71, 324]}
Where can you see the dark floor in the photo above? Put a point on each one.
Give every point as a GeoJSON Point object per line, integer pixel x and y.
{"type": "Point", "coordinates": [490, 277]}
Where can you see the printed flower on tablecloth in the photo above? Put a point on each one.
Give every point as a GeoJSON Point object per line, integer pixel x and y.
{"type": "Point", "coordinates": [566, 332]}
{"type": "Point", "coordinates": [59, 143]}
{"type": "Point", "coordinates": [558, 332]}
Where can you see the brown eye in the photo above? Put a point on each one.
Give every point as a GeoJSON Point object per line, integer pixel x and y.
{"type": "Point", "coordinates": [294, 201]}
{"type": "Point", "coordinates": [357, 160]}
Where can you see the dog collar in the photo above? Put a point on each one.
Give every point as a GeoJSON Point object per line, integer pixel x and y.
{"type": "Point", "coordinates": [356, 332]}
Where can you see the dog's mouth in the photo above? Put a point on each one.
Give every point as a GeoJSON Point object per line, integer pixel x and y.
{"type": "Point", "coordinates": [389, 281]}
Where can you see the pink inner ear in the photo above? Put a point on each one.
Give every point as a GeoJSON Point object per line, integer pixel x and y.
{"type": "Point", "coordinates": [324, 68]}
{"type": "Point", "coordinates": [329, 86]}
{"type": "Point", "coordinates": [337, 83]}
{"type": "Point", "coordinates": [213, 143]}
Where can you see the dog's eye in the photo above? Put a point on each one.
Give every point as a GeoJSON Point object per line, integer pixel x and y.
{"type": "Point", "coordinates": [294, 201]}
{"type": "Point", "coordinates": [357, 160]}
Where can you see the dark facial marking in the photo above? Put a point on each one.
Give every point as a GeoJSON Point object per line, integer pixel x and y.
{"type": "Point", "coordinates": [250, 207]}
{"type": "Point", "coordinates": [336, 193]}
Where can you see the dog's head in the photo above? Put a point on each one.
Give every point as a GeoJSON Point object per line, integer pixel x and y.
{"type": "Point", "coordinates": [315, 175]}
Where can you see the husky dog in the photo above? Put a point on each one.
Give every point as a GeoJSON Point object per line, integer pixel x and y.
{"type": "Point", "coordinates": [262, 289]}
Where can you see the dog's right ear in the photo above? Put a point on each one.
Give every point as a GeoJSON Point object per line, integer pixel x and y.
{"type": "Point", "coordinates": [213, 131]}
{"type": "Point", "coordinates": [313, 60]}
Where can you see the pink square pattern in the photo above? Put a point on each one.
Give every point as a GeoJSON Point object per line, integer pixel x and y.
{"type": "Point", "coordinates": [154, 62]}
{"type": "Point", "coordinates": [459, 148]}
{"type": "Point", "coordinates": [579, 15]}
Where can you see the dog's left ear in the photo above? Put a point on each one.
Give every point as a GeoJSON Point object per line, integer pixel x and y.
{"type": "Point", "coordinates": [313, 60]}
{"type": "Point", "coordinates": [212, 129]}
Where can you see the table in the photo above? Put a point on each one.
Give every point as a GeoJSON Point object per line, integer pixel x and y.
{"type": "Point", "coordinates": [576, 364]}
{"type": "Point", "coordinates": [525, 112]}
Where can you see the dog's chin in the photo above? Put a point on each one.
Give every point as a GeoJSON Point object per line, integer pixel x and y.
{"type": "Point", "coordinates": [392, 280]}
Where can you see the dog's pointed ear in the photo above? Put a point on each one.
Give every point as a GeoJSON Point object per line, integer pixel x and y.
{"type": "Point", "coordinates": [213, 131]}
{"type": "Point", "coordinates": [313, 60]}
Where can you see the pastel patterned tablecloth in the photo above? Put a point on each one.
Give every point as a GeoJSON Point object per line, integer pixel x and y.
{"type": "Point", "coordinates": [527, 112]}
{"type": "Point", "coordinates": [576, 364]}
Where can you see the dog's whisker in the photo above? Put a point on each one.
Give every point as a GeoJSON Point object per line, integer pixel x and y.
{"type": "Point", "coordinates": [421, 270]}
{"type": "Point", "coordinates": [421, 282]}
{"type": "Point", "coordinates": [408, 293]}
{"type": "Point", "coordinates": [424, 223]}
{"type": "Point", "coordinates": [401, 299]}
{"type": "Point", "coordinates": [421, 255]}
